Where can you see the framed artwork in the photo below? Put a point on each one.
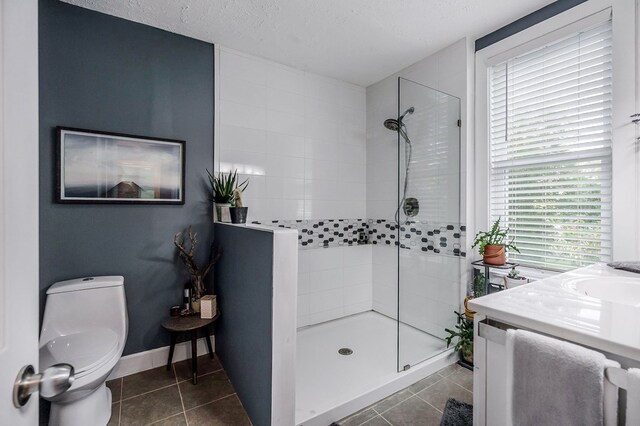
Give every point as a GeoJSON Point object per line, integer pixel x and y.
{"type": "Point", "coordinates": [102, 167]}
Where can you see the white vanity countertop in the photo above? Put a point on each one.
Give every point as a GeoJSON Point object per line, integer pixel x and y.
{"type": "Point", "coordinates": [596, 306]}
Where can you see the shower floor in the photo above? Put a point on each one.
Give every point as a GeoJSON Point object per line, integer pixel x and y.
{"type": "Point", "coordinates": [330, 386]}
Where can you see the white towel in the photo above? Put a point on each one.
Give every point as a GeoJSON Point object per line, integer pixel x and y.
{"type": "Point", "coordinates": [633, 396]}
{"type": "Point", "coordinates": [553, 382]}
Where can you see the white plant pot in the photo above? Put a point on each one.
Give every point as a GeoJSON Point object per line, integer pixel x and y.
{"type": "Point", "coordinates": [515, 282]}
{"type": "Point", "coordinates": [221, 212]}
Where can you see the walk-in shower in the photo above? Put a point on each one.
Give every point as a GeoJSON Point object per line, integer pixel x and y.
{"type": "Point", "coordinates": [414, 249]}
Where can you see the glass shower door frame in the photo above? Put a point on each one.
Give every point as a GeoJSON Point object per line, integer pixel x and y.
{"type": "Point", "coordinates": [402, 364]}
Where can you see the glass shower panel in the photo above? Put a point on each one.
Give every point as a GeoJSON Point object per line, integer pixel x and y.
{"type": "Point", "coordinates": [428, 220]}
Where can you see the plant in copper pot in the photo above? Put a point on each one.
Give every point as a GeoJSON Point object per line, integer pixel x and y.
{"type": "Point", "coordinates": [493, 244]}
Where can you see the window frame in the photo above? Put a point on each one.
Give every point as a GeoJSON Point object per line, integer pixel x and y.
{"type": "Point", "coordinates": [624, 180]}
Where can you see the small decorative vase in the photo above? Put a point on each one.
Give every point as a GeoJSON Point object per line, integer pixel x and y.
{"type": "Point", "coordinates": [494, 255]}
{"type": "Point", "coordinates": [238, 214]}
{"type": "Point", "coordinates": [221, 212]}
{"type": "Point", "coordinates": [195, 305]}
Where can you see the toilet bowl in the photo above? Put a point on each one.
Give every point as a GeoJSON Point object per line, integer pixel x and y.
{"type": "Point", "coordinates": [85, 324]}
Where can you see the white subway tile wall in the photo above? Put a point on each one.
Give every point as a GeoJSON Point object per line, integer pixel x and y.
{"type": "Point", "coordinates": [299, 137]}
{"type": "Point", "coordinates": [333, 283]}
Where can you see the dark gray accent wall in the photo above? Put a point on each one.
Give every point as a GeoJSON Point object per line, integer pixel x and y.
{"type": "Point", "coordinates": [104, 73]}
{"type": "Point", "coordinates": [243, 279]}
{"type": "Point", "coordinates": [525, 22]}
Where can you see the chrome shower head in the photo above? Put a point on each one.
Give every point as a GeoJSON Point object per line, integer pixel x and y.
{"type": "Point", "coordinates": [396, 125]}
{"type": "Point", "coordinates": [392, 124]}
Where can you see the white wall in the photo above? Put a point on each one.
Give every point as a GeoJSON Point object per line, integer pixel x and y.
{"type": "Point", "coordinates": [333, 282]}
{"type": "Point", "coordinates": [430, 283]}
{"type": "Point", "coordinates": [300, 139]}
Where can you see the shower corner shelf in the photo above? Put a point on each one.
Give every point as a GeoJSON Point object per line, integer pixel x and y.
{"type": "Point", "coordinates": [487, 269]}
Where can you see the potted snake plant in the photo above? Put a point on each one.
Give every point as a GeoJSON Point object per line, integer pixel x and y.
{"type": "Point", "coordinates": [493, 244]}
{"type": "Point", "coordinates": [221, 193]}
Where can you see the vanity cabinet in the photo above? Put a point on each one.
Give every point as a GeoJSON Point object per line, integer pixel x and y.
{"type": "Point", "coordinates": [490, 372]}
{"type": "Point", "coordinates": [489, 380]}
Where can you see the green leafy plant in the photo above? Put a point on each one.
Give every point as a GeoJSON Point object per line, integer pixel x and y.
{"type": "Point", "coordinates": [223, 185]}
{"type": "Point", "coordinates": [514, 273]}
{"type": "Point", "coordinates": [495, 237]}
{"type": "Point", "coordinates": [479, 285]}
{"type": "Point", "coordinates": [463, 332]}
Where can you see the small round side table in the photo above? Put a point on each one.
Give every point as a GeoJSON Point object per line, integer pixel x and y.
{"type": "Point", "coordinates": [191, 325]}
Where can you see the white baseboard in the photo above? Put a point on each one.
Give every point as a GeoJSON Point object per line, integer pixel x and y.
{"type": "Point", "coordinates": [141, 361]}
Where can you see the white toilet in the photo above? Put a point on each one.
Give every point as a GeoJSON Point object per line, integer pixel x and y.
{"type": "Point", "coordinates": [85, 324]}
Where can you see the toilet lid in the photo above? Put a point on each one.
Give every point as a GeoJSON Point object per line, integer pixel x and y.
{"type": "Point", "coordinates": [84, 351]}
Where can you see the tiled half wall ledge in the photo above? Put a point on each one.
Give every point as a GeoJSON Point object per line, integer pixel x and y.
{"type": "Point", "coordinates": [434, 238]}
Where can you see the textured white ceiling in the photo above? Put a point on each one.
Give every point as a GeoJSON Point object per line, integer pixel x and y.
{"type": "Point", "coordinates": [359, 41]}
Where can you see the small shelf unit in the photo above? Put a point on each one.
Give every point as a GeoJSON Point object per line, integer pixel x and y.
{"type": "Point", "coordinates": [493, 287]}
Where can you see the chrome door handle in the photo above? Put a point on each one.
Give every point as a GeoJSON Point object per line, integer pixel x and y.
{"type": "Point", "coordinates": [51, 382]}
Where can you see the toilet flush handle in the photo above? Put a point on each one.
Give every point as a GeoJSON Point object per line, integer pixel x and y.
{"type": "Point", "coordinates": [51, 382]}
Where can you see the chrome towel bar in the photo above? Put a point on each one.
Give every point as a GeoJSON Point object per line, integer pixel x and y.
{"type": "Point", "coordinates": [496, 332]}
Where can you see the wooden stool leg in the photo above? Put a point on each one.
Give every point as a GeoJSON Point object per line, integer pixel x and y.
{"type": "Point", "coordinates": [171, 348]}
{"type": "Point", "coordinates": [194, 356]}
{"type": "Point", "coordinates": [209, 347]}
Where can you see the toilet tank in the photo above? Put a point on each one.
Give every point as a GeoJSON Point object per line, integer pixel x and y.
{"type": "Point", "coordinates": [82, 304]}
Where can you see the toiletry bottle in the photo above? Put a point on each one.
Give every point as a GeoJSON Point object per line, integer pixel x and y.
{"type": "Point", "coordinates": [187, 296]}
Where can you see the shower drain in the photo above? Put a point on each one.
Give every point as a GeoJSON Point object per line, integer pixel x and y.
{"type": "Point", "coordinates": [345, 351]}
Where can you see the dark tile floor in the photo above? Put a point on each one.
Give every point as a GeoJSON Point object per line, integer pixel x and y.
{"type": "Point", "coordinates": [419, 404]}
{"type": "Point", "coordinates": [162, 397]}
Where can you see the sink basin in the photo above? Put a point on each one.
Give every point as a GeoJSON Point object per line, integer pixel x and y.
{"type": "Point", "coordinates": [622, 290]}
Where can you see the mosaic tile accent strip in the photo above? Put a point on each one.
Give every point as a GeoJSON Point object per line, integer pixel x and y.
{"type": "Point", "coordinates": [414, 235]}
{"type": "Point", "coordinates": [325, 232]}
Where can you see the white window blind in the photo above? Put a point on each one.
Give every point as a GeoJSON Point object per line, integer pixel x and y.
{"type": "Point", "coordinates": [550, 151]}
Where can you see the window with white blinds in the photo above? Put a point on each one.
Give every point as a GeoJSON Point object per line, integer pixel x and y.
{"type": "Point", "coordinates": [550, 151]}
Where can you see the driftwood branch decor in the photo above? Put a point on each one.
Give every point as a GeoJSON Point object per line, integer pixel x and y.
{"type": "Point", "coordinates": [188, 258]}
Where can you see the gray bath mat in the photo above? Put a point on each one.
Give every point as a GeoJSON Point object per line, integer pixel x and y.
{"type": "Point", "coordinates": [457, 413]}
